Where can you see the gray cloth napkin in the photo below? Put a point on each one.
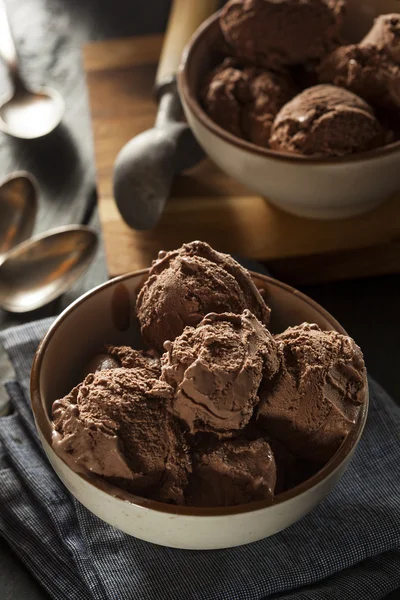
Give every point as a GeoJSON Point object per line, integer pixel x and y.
{"type": "Point", "coordinates": [348, 547]}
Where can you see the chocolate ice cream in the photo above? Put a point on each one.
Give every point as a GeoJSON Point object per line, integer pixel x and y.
{"type": "Point", "coordinates": [279, 33]}
{"type": "Point", "coordinates": [326, 120]}
{"type": "Point", "coordinates": [116, 424]}
{"type": "Point", "coordinates": [314, 402]}
{"type": "Point", "coordinates": [124, 356]}
{"type": "Point", "coordinates": [232, 472]}
{"type": "Point", "coordinates": [101, 362]}
{"type": "Point", "coordinates": [276, 46]}
{"type": "Point", "coordinates": [385, 36]}
{"type": "Point", "coordinates": [216, 370]}
{"type": "Point", "coordinates": [186, 284]}
{"type": "Point", "coordinates": [371, 68]}
{"type": "Point", "coordinates": [245, 100]}
{"type": "Point", "coordinates": [290, 469]}
{"type": "Point", "coordinates": [230, 414]}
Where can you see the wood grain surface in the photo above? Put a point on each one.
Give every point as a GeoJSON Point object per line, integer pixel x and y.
{"type": "Point", "coordinates": [207, 204]}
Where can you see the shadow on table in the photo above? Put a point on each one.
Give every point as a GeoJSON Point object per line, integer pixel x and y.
{"type": "Point", "coordinates": [119, 18]}
{"type": "Point", "coordinates": [53, 159]}
{"type": "Point", "coordinates": [8, 319]}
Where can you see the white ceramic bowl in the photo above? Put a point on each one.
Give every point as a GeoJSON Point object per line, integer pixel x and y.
{"type": "Point", "coordinates": [327, 188]}
{"type": "Point", "coordinates": [105, 315]}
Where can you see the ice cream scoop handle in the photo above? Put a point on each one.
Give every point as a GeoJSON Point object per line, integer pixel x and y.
{"type": "Point", "coordinates": [184, 19]}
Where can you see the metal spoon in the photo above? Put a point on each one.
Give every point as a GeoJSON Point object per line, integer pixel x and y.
{"type": "Point", "coordinates": [18, 207]}
{"type": "Point", "coordinates": [43, 268]}
{"type": "Point", "coordinates": [27, 113]}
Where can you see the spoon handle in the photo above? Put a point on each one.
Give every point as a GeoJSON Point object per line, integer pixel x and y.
{"type": "Point", "coordinates": [8, 51]}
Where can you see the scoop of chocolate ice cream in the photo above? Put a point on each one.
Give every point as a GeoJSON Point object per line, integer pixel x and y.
{"type": "Point", "coordinates": [116, 424]}
{"type": "Point", "coordinates": [125, 356]}
{"type": "Point", "coordinates": [315, 400]}
{"type": "Point", "coordinates": [226, 91]}
{"type": "Point", "coordinates": [279, 33]}
{"type": "Point", "coordinates": [245, 100]}
{"type": "Point", "coordinates": [129, 358]}
{"type": "Point", "coordinates": [216, 370]}
{"type": "Point", "coordinates": [385, 35]}
{"type": "Point", "coordinates": [101, 362]}
{"type": "Point", "coordinates": [326, 120]}
{"type": "Point", "coordinates": [370, 69]}
{"type": "Point", "coordinates": [290, 469]}
{"type": "Point", "coordinates": [186, 284]}
{"type": "Point", "coordinates": [232, 472]}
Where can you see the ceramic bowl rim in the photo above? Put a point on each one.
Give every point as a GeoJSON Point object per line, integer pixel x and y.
{"type": "Point", "coordinates": [44, 425]}
{"type": "Point", "coordinates": [191, 98]}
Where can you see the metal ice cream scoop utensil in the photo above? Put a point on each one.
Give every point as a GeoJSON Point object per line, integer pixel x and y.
{"type": "Point", "coordinates": [18, 207]}
{"type": "Point", "coordinates": [41, 269]}
{"type": "Point", "coordinates": [146, 165]}
{"type": "Point", "coordinates": [27, 113]}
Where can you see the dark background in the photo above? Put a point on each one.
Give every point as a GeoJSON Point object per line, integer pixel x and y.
{"type": "Point", "coordinates": [49, 35]}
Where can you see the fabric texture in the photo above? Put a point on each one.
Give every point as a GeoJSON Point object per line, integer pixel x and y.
{"type": "Point", "coordinates": [348, 547]}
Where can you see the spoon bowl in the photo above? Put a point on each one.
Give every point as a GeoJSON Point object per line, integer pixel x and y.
{"type": "Point", "coordinates": [31, 114]}
{"type": "Point", "coordinates": [18, 208]}
{"type": "Point", "coordinates": [43, 268]}
{"type": "Point", "coordinates": [26, 114]}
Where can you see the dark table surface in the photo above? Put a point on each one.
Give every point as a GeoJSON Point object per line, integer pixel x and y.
{"type": "Point", "coordinates": [49, 35]}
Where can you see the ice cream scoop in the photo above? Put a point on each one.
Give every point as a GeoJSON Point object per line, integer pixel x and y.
{"type": "Point", "coordinates": [145, 167]}
{"type": "Point", "coordinates": [232, 472]}
{"type": "Point", "coordinates": [326, 120]}
{"type": "Point", "coordinates": [116, 424]}
{"type": "Point", "coordinates": [245, 100]}
{"type": "Point", "coordinates": [276, 34]}
{"type": "Point", "coordinates": [216, 369]}
{"type": "Point", "coordinates": [186, 284]}
{"type": "Point", "coordinates": [315, 400]}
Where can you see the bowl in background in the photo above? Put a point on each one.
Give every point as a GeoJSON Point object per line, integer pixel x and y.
{"type": "Point", "coordinates": [312, 187]}
{"type": "Point", "coordinates": [105, 315]}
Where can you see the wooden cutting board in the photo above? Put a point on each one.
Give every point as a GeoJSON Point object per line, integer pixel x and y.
{"type": "Point", "coordinates": [206, 204]}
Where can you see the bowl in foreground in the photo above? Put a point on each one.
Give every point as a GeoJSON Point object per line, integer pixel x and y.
{"type": "Point", "coordinates": [105, 315]}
